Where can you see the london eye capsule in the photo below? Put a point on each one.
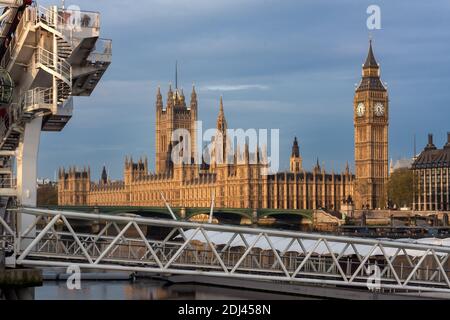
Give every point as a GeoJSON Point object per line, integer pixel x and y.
{"type": "Point", "coordinates": [6, 87]}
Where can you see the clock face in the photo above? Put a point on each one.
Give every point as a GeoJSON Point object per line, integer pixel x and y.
{"type": "Point", "coordinates": [360, 109]}
{"type": "Point", "coordinates": [379, 109]}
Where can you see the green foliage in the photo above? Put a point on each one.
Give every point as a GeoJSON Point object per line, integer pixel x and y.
{"type": "Point", "coordinates": [401, 187]}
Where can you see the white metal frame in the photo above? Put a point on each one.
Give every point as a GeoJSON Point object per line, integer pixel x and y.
{"type": "Point", "coordinates": [58, 244]}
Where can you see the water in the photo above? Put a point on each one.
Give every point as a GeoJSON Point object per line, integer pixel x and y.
{"type": "Point", "coordinates": [146, 289]}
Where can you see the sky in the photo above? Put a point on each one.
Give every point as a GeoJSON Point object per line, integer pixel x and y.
{"type": "Point", "coordinates": [290, 65]}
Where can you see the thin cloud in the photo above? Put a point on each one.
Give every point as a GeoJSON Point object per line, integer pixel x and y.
{"type": "Point", "coordinates": [240, 87]}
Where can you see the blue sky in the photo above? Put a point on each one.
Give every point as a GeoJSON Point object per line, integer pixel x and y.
{"type": "Point", "coordinates": [288, 64]}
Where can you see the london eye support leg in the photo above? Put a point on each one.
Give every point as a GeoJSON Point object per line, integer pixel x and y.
{"type": "Point", "coordinates": [27, 156]}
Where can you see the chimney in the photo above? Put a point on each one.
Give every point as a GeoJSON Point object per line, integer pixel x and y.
{"type": "Point", "coordinates": [447, 145]}
{"type": "Point", "coordinates": [430, 145]}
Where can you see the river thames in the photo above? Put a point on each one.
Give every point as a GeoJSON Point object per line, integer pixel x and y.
{"type": "Point", "coordinates": [147, 289]}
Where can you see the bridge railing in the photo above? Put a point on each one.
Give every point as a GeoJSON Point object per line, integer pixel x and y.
{"type": "Point", "coordinates": [125, 243]}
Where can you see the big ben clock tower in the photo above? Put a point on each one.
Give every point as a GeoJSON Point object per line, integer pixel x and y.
{"type": "Point", "coordinates": [371, 120]}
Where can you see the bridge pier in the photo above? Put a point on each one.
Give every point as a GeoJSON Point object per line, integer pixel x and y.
{"type": "Point", "coordinates": [19, 284]}
{"type": "Point", "coordinates": [255, 217]}
{"type": "Point", "coordinates": [183, 213]}
{"type": "Point", "coordinates": [27, 155]}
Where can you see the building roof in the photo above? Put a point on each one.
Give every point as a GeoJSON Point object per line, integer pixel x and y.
{"type": "Point", "coordinates": [432, 157]}
{"type": "Point", "coordinates": [371, 62]}
{"type": "Point", "coordinates": [371, 82]}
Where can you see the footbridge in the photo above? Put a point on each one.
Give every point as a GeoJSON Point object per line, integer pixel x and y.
{"type": "Point", "coordinates": [252, 215]}
{"type": "Point", "coordinates": [49, 55]}
{"type": "Point", "coordinates": [121, 242]}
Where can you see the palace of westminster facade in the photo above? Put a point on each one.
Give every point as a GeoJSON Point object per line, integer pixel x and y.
{"type": "Point", "coordinates": [240, 183]}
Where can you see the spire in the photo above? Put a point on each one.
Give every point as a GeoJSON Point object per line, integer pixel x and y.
{"type": "Point", "coordinates": [371, 62]}
{"type": "Point", "coordinates": [258, 155]}
{"type": "Point", "coordinates": [221, 121]}
{"type": "Point", "coordinates": [246, 154]}
{"type": "Point", "coordinates": [193, 103]}
{"type": "Point", "coordinates": [159, 101]}
{"type": "Point", "coordinates": [170, 97]}
{"type": "Point", "coordinates": [371, 74]}
{"type": "Point", "coordinates": [295, 149]}
{"type": "Point", "coordinates": [176, 74]}
{"type": "Point", "coordinates": [104, 177]}
{"type": "Point", "coordinates": [317, 167]}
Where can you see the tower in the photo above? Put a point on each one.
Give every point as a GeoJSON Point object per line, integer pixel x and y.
{"type": "Point", "coordinates": [175, 115]}
{"type": "Point", "coordinates": [296, 159]}
{"type": "Point", "coordinates": [371, 121]}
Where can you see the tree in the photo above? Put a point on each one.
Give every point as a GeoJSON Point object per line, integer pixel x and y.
{"type": "Point", "coordinates": [401, 187]}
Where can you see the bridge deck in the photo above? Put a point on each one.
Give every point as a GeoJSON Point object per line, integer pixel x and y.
{"type": "Point", "coordinates": [122, 243]}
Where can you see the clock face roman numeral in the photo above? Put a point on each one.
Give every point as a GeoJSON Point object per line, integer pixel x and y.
{"type": "Point", "coordinates": [379, 109]}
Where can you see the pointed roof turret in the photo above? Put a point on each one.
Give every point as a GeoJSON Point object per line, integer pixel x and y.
{"type": "Point", "coordinates": [221, 121]}
{"type": "Point", "coordinates": [295, 149]}
{"type": "Point", "coordinates": [176, 74]}
{"type": "Point", "coordinates": [246, 153]}
{"type": "Point", "coordinates": [159, 99]}
{"type": "Point", "coordinates": [193, 104]}
{"type": "Point", "coordinates": [104, 177]}
{"type": "Point", "coordinates": [371, 74]}
{"type": "Point", "coordinates": [317, 168]}
{"type": "Point", "coordinates": [371, 62]}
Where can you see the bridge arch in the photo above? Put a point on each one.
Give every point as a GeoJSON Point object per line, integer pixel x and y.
{"type": "Point", "coordinates": [225, 216]}
{"type": "Point", "coordinates": [264, 213]}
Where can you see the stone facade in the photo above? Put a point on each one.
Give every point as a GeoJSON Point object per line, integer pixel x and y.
{"type": "Point", "coordinates": [242, 182]}
{"type": "Point", "coordinates": [431, 176]}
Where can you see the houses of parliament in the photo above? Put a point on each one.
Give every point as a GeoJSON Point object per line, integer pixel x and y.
{"type": "Point", "coordinates": [241, 183]}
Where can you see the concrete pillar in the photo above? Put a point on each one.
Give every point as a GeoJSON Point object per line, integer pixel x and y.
{"type": "Point", "coordinates": [27, 155]}
{"type": "Point", "coordinates": [254, 217]}
{"type": "Point", "coordinates": [183, 213]}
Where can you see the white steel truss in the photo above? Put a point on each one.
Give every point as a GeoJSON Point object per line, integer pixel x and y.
{"type": "Point", "coordinates": [122, 243]}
